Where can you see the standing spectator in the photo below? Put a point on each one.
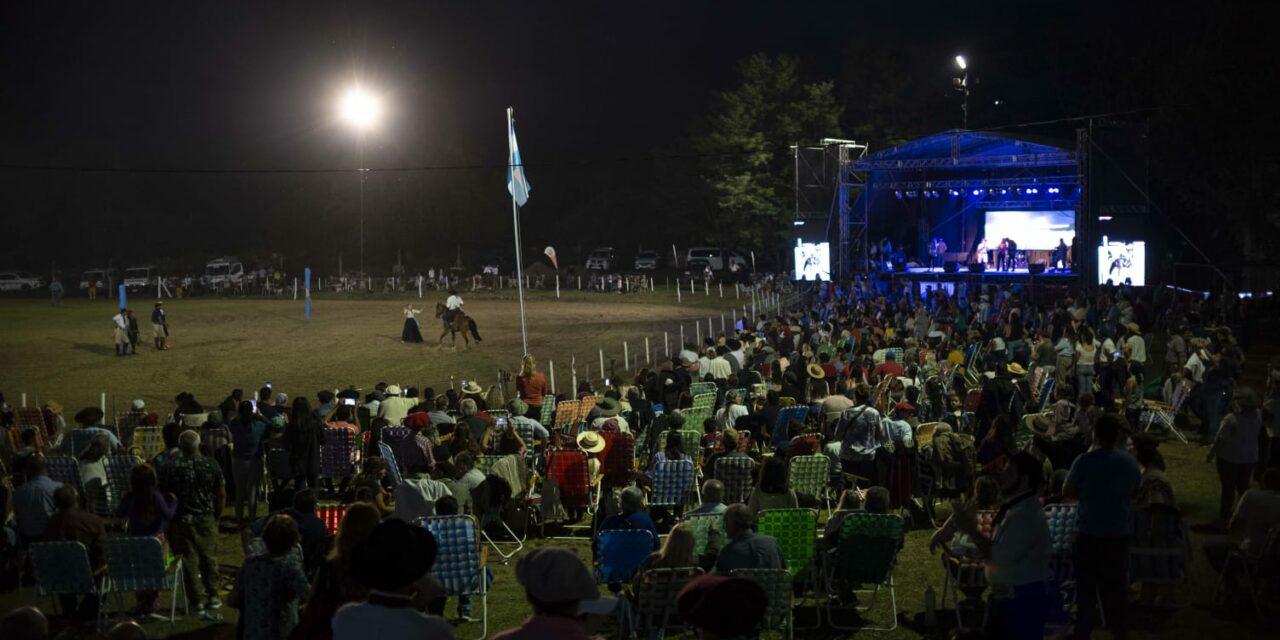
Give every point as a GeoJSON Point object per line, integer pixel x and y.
{"type": "Point", "coordinates": [55, 292]}
{"type": "Point", "coordinates": [860, 436]}
{"type": "Point", "coordinates": [72, 523]}
{"type": "Point", "coordinates": [133, 331]}
{"type": "Point", "coordinates": [248, 430]}
{"type": "Point", "coordinates": [160, 327]}
{"type": "Point", "coordinates": [531, 385]}
{"type": "Point", "coordinates": [33, 501]}
{"type": "Point", "coordinates": [147, 512]}
{"type": "Point", "coordinates": [268, 587]}
{"type": "Point", "coordinates": [302, 437]}
{"type": "Point", "coordinates": [1104, 481]}
{"type": "Point", "coordinates": [193, 534]}
{"type": "Point", "coordinates": [1236, 449]}
{"type": "Point", "coordinates": [120, 324]}
{"type": "Point", "coordinates": [560, 590]}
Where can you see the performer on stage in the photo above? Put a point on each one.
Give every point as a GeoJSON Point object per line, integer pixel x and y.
{"type": "Point", "coordinates": [412, 331]}
{"type": "Point", "coordinates": [1002, 254]}
{"type": "Point", "coordinates": [1059, 260]}
{"type": "Point", "coordinates": [980, 254]}
{"type": "Point", "coordinates": [937, 251]}
{"type": "Point", "coordinates": [1011, 255]}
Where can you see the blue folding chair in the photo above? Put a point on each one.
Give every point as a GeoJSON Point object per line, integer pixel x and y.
{"type": "Point", "coordinates": [62, 569]}
{"type": "Point", "coordinates": [672, 482]}
{"type": "Point", "coordinates": [138, 563]}
{"type": "Point", "coordinates": [620, 552]}
{"type": "Point", "coordinates": [393, 467]}
{"type": "Point", "coordinates": [458, 567]}
{"type": "Point", "coordinates": [788, 415]}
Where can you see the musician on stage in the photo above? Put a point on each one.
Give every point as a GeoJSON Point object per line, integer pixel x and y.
{"type": "Point", "coordinates": [1002, 254]}
{"type": "Point", "coordinates": [1059, 260]}
{"type": "Point", "coordinates": [937, 251]}
{"type": "Point", "coordinates": [980, 254]}
{"type": "Point", "coordinates": [1011, 255]}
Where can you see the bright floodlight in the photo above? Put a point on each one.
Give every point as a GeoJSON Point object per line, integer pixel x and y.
{"type": "Point", "coordinates": [359, 108]}
{"type": "Point", "coordinates": [961, 63]}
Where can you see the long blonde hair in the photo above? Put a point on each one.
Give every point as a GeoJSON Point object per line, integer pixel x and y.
{"type": "Point", "coordinates": [527, 368]}
{"type": "Point", "coordinates": [677, 549]}
{"type": "Point", "coordinates": [356, 527]}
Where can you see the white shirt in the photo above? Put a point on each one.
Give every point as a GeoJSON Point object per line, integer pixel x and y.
{"type": "Point", "coordinates": [719, 368]}
{"type": "Point", "coordinates": [1137, 348]}
{"type": "Point", "coordinates": [416, 497]}
{"type": "Point", "coordinates": [453, 303]}
{"type": "Point", "coordinates": [362, 621]}
{"type": "Point", "coordinates": [729, 415]}
{"type": "Point", "coordinates": [1086, 353]}
{"type": "Point", "coordinates": [1196, 365]}
{"type": "Point", "coordinates": [120, 321]}
{"type": "Point", "coordinates": [395, 408]}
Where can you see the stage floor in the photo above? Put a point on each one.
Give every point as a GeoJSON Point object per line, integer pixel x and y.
{"type": "Point", "coordinates": [964, 271]}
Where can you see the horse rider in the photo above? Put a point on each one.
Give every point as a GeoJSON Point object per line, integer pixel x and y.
{"type": "Point", "coordinates": [453, 305]}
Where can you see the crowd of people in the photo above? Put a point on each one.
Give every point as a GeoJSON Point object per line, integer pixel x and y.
{"type": "Point", "coordinates": [986, 399]}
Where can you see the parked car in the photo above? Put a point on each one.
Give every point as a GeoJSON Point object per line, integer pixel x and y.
{"type": "Point", "coordinates": [648, 260]}
{"type": "Point", "coordinates": [602, 259]}
{"type": "Point", "coordinates": [140, 277]}
{"type": "Point", "coordinates": [20, 281]}
{"type": "Point", "coordinates": [100, 278]}
{"type": "Point", "coordinates": [698, 258]}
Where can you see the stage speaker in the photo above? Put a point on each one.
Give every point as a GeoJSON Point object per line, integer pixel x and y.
{"type": "Point", "coordinates": [977, 267]}
{"type": "Point", "coordinates": [900, 266]}
{"type": "Point", "coordinates": [1035, 269]}
{"type": "Point", "coordinates": [951, 266]}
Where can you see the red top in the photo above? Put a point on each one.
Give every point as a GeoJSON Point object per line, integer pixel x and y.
{"type": "Point", "coordinates": [888, 368]}
{"type": "Point", "coordinates": [532, 388]}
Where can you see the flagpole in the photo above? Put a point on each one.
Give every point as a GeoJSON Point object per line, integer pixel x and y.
{"type": "Point", "coordinates": [515, 219]}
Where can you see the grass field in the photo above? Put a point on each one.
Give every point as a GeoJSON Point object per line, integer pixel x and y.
{"type": "Point", "coordinates": [65, 354]}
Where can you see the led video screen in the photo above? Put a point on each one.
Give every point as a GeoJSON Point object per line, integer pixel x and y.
{"type": "Point", "coordinates": [813, 260]}
{"type": "Point", "coordinates": [1040, 230]}
{"type": "Point", "coordinates": [1122, 262]}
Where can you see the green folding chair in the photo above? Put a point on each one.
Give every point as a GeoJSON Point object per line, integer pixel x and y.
{"type": "Point", "coordinates": [778, 589]}
{"type": "Point", "coordinates": [811, 476]}
{"type": "Point", "coordinates": [866, 554]}
{"type": "Point", "coordinates": [796, 531]}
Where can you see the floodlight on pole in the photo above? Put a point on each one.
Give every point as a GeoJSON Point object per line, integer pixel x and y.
{"type": "Point", "coordinates": [360, 109]}
{"type": "Point", "coordinates": [960, 62]}
{"type": "Point", "coordinates": [961, 84]}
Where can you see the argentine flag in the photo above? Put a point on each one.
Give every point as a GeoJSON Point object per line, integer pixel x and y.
{"type": "Point", "coordinates": [517, 183]}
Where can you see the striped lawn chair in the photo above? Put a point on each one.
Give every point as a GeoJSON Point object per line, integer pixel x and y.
{"type": "Point", "coordinates": [332, 515]}
{"type": "Point", "coordinates": [786, 402]}
{"type": "Point", "coordinates": [393, 467]}
{"type": "Point", "coordinates": [76, 441]}
{"type": "Point", "coordinates": [119, 472]}
{"type": "Point", "coordinates": [788, 415]}
{"type": "Point", "coordinates": [619, 464]}
{"type": "Point", "coordinates": [125, 424]}
{"type": "Point", "coordinates": [738, 476]}
{"type": "Point", "coordinates": [656, 593]}
{"type": "Point", "coordinates": [30, 417]}
{"type": "Point", "coordinates": [458, 567]}
{"type": "Point", "coordinates": [338, 453]}
{"type": "Point", "coordinates": [704, 401]}
{"type": "Point", "coordinates": [567, 413]}
{"type": "Point", "coordinates": [866, 554]}
{"type": "Point", "coordinates": [499, 413]}
{"type": "Point", "coordinates": [699, 388]}
{"type": "Point", "coordinates": [620, 552]}
{"type": "Point", "coordinates": [139, 563]}
{"type": "Point", "coordinates": [568, 469]}
{"type": "Point", "coordinates": [548, 411]}
{"type": "Point", "coordinates": [485, 462]}
{"type": "Point", "coordinates": [811, 476]}
{"type": "Point", "coordinates": [148, 442]}
{"type": "Point", "coordinates": [796, 533]}
{"type": "Point", "coordinates": [65, 469]}
{"type": "Point", "coordinates": [690, 443]}
{"type": "Point", "coordinates": [779, 588]}
{"type": "Point", "coordinates": [62, 568]}
{"type": "Point", "coordinates": [701, 524]}
{"type": "Point", "coordinates": [673, 481]}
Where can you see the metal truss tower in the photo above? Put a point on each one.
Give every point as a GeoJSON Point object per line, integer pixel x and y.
{"type": "Point", "coordinates": [827, 189]}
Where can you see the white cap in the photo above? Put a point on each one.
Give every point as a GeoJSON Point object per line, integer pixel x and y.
{"type": "Point", "coordinates": [139, 405]}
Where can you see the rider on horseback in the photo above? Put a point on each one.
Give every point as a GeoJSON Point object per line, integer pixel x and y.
{"type": "Point", "coordinates": [452, 305]}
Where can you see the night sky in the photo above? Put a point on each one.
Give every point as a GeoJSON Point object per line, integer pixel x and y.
{"type": "Point", "coordinates": [113, 89]}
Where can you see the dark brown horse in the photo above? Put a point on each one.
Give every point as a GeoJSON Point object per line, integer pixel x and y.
{"type": "Point", "coordinates": [461, 323]}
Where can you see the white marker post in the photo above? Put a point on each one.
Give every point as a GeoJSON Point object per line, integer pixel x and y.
{"type": "Point", "coordinates": [601, 363]}
{"type": "Point", "coordinates": [710, 328]}
{"type": "Point", "coordinates": [720, 285]}
{"type": "Point", "coordinates": [681, 345]}
{"type": "Point", "coordinates": [697, 330]}
{"type": "Point", "coordinates": [706, 288]}
{"type": "Point", "coordinates": [103, 403]}
{"type": "Point", "coordinates": [551, 371]}
{"type": "Point", "coordinates": [24, 399]}
{"type": "Point", "coordinates": [557, 286]}
{"type": "Point", "coordinates": [678, 298]}
{"type": "Point", "coordinates": [419, 287]}
{"type": "Point", "coordinates": [295, 288]}
{"type": "Point", "coordinates": [647, 359]}
{"type": "Point", "coordinates": [722, 329]}
{"type": "Point", "coordinates": [626, 357]}
{"type": "Point", "coordinates": [666, 347]}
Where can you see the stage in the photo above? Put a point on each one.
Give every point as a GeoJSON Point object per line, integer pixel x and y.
{"type": "Point", "coordinates": [923, 279]}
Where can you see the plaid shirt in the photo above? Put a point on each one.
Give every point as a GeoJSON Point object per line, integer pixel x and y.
{"type": "Point", "coordinates": [196, 480]}
{"type": "Point", "coordinates": [338, 454]}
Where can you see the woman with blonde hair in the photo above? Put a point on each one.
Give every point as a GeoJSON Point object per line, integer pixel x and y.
{"type": "Point", "coordinates": [676, 552]}
{"type": "Point", "coordinates": [531, 387]}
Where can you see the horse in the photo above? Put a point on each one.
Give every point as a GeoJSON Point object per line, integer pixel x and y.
{"type": "Point", "coordinates": [461, 323]}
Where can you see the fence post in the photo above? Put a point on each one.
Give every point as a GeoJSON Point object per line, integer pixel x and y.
{"type": "Point", "coordinates": [710, 328]}
{"type": "Point", "coordinates": [722, 329]}
{"type": "Point", "coordinates": [557, 286]}
{"type": "Point", "coordinates": [551, 369]}
{"type": "Point", "coordinates": [650, 284]}
{"type": "Point", "coordinates": [706, 287]}
{"type": "Point", "coordinates": [626, 357]}
{"type": "Point", "coordinates": [737, 291]}
{"type": "Point", "coordinates": [720, 285]}
{"type": "Point", "coordinates": [24, 399]}
{"type": "Point", "coordinates": [419, 286]}
{"type": "Point", "coordinates": [601, 364]}
{"type": "Point", "coordinates": [666, 347]}
{"type": "Point", "coordinates": [678, 298]}
{"type": "Point", "coordinates": [681, 345]}
{"type": "Point", "coordinates": [573, 366]}
{"type": "Point", "coordinates": [647, 359]}
{"type": "Point", "coordinates": [103, 403]}
{"type": "Point", "coordinates": [693, 288]}
{"type": "Point", "coordinates": [295, 288]}
{"type": "Point", "coordinates": [697, 330]}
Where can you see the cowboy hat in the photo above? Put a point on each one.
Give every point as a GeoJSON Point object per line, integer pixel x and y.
{"type": "Point", "coordinates": [470, 388]}
{"type": "Point", "coordinates": [397, 554]}
{"type": "Point", "coordinates": [590, 441]}
{"type": "Point", "coordinates": [393, 390]}
{"type": "Point", "coordinates": [1133, 326]}
{"type": "Point", "coordinates": [1016, 369]}
{"type": "Point", "coordinates": [815, 372]}
{"type": "Point", "coordinates": [608, 407]}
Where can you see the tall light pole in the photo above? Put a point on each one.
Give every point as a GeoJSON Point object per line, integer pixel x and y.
{"type": "Point", "coordinates": [961, 84]}
{"type": "Point", "coordinates": [361, 110]}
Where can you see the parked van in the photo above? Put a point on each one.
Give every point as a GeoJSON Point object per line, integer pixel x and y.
{"type": "Point", "coordinates": [100, 278]}
{"type": "Point", "coordinates": [601, 259]}
{"type": "Point", "coordinates": [140, 277]}
{"type": "Point", "coordinates": [227, 270]}
{"type": "Point", "coordinates": [697, 258]}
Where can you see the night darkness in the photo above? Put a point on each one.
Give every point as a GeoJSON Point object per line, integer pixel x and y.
{"type": "Point", "coordinates": [169, 123]}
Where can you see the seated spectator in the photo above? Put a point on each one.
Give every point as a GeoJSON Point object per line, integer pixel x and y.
{"type": "Point", "coordinates": [722, 607]}
{"type": "Point", "coordinates": [518, 410]}
{"type": "Point", "coordinates": [476, 424]}
{"type": "Point", "coordinates": [312, 532]}
{"type": "Point", "coordinates": [608, 408]}
{"type": "Point", "coordinates": [1153, 485]}
{"type": "Point", "coordinates": [71, 523]}
{"type": "Point", "coordinates": [744, 548]}
{"type": "Point", "coordinates": [33, 502]}
{"type": "Point", "coordinates": [89, 420]}
{"type": "Point", "coordinates": [416, 450]}
{"type": "Point", "coordinates": [268, 588]}
{"type": "Point", "coordinates": [986, 497]}
{"type": "Point", "coordinates": [727, 447]}
{"type": "Point", "coordinates": [561, 591]}
{"type": "Point", "coordinates": [632, 514]}
{"type": "Point", "coordinates": [771, 490]}
{"type": "Point", "coordinates": [676, 552]}
{"type": "Point", "coordinates": [674, 450]}
{"type": "Point", "coordinates": [440, 417]}
{"type": "Point", "coordinates": [367, 486]}
{"type": "Point", "coordinates": [712, 499]}
{"type": "Point", "coordinates": [416, 496]}
{"type": "Point", "coordinates": [732, 410]}
{"type": "Point", "coordinates": [1256, 514]}
{"type": "Point", "coordinates": [511, 465]}
{"type": "Point", "coordinates": [390, 564]}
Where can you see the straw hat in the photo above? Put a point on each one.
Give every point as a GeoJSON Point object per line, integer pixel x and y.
{"type": "Point", "coordinates": [1016, 369]}
{"type": "Point", "coordinates": [815, 372]}
{"type": "Point", "coordinates": [591, 442]}
{"type": "Point", "coordinates": [470, 388]}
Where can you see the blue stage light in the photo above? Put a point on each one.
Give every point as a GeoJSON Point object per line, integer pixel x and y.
{"type": "Point", "coordinates": [897, 194]}
{"type": "Point", "coordinates": [977, 192]}
{"type": "Point", "coordinates": [954, 192]}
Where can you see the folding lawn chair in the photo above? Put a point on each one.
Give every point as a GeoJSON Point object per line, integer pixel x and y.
{"type": "Point", "coordinates": [779, 587]}
{"type": "Point", "coordinates": [338, 453]}
{"type": "Point", "coordinates": [148, 442]}
{"type": "Point", "coordinates": [673, 480]}
{"type": "Point", "coordinates": [119, 473]}
{"type": "Point", "coordinates": [866, 554]}
{"type": "Point", "coordinates": [738, 477]}
{"type": "Point", "coordinates": [811, 476]}
{"type": "Point", "coordinates": [701, 525]}
{"type": "Point", "coordinates": [458, 567]}
{"type": "Point", "coordinates": [393, 467]}
{"type": "Point", "coordinates": [62, 568]}
{"type": "Point", "coordinates": [65, 469]}
{"type": "Point", "coordinates": [547, 419]}
{"type": "Point", "coordinates": [568, 469]}
{"type": "Point", "coordinates": [961, 574]}
{"type": "Point", "coordinates": [656, 610]}
{"type": "Point", "coordinates": [704, 401]}
{"type": "Point", "coordinates": [620, 552]}
{"type": "Point", "coordinates": [796, 533]}
{"type": "Point", "coordinates": [139, 563]}
{"type": "Point", "coordinates": [332, 515]}
{"type": "Point", "coordinates": [698, 388]}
